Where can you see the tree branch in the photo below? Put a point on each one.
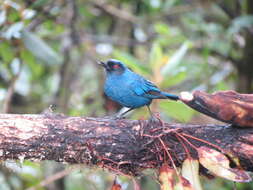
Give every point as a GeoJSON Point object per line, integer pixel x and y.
{"type": "Point", "coordinates": [11, 90]}
{"type": "Point", "coordinates": [114, 11]}
{"type": "Point", "coordinates": [227, 106]}
{"type": "Point", "coordinates": [125, 146]}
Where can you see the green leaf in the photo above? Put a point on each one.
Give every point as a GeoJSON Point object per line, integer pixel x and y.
{"type": "Point", "coordinates": [174, 80]}
{"type": "Point", "coordinates": [39, 3]}
{"type": "Point", "coordinates": [26, 56]}
{"type": "Point", "coordinates": [14, 31]}
{"type": "Point", "coordinates": [162, 28]}
{"type": "Point", "coordinates": [221, 86]}
{"type": "Point", "coordinates": [13, 15]}
{"type": "Point", "coordinates": [175, 59]}
{"type": "Point", "coordinates": [223, 47]}
{"type": "Point", "coordinates": [177, 110]}
{"type": "Point", "coordinates": [40, 49]}
{"type": "Point", "coordinates": [6, 52]}
{"type": "Point", "coordinates": [35, 68]}
{"type": "Point", "coordinates": [239, 23]}
{"type": "Point", "coordinates": [171, 40]}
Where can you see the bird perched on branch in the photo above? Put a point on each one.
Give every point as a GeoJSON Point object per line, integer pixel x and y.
{"type": "Point", "coordinates": [130, 89]}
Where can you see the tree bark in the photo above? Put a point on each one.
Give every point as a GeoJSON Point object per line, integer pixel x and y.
{"type": "Point", "coordinates": [227, 106]}
{"type": "Point", "coordinates": [125, 146]}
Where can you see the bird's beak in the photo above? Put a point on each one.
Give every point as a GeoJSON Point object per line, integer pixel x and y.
{"type": "Point", "coordinates": [102, 64]}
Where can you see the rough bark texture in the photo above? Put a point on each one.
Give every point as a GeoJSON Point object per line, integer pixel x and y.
{"type": "Point", "coordinates": [227, 106]}
{"type": "Point", "coordinates": [127, 146]}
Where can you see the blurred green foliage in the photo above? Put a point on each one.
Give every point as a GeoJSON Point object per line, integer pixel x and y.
{"type": "Point", "coordinates": [50, 48]}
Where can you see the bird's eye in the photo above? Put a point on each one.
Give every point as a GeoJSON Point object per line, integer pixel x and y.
{"type": "Point", "coordinates": [116, 66]}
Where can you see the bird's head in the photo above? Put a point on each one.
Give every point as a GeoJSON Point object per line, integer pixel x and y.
{"type": "Point", "coordinates": [113, 66]}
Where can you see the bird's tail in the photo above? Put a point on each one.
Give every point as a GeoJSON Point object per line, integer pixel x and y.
{"type": "Point", "coordinates": [170, 96]}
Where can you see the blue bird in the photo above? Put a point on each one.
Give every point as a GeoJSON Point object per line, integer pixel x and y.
{"type": "Point", "coordinates": [130, 89]}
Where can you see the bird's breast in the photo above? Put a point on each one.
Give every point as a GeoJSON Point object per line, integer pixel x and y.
{"type": "Point", "coordinates": [116, 87]}
{"type": "Point", "coordinates": [120, 91]}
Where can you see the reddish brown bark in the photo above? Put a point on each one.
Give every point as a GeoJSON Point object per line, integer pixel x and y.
{"type": "Point", "coordinates": [127, 146]}
{"type": "Point", "coordinates": [227, 106]}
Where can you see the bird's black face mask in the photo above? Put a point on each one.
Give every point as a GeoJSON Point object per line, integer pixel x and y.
{"type": "Point", "coordinates": [112, 66]}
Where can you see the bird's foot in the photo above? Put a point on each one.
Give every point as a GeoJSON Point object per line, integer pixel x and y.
{"type": "Point", "coordinates": [154, 119]}
{"type": "Point", "coordinates": [117, 117]}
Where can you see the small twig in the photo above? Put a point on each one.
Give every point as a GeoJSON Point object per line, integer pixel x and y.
{"type": "Point", "coordinates": [182, 9]}
{"type": "Point", "coordinates": [184, 146]}
{"type": "Point", "coordinates": [120, 41]}
{"type": "Point", "coordinates": [165, 132]}
{"type": "Point", "coordinates": [206, 142]}
{"type": "Point", "coordinates": [45, 14]}
{"type": "Point", "coordinates": [186, 140]}
{"type": "Point", "coordinates": [169, 155]}
{"type": "Point", "coordinates": [117, 171]}
{"type": "Point", "coordinates": [120, 13]}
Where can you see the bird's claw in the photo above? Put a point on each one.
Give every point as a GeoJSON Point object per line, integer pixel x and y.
{"type": "Point", "coordinates": [153, 119]}
{"type": "Point", "coordinates": [117, 117]}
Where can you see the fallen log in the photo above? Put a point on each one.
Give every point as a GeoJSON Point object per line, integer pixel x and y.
{"type": "Point", "coordinates": [124, 146]}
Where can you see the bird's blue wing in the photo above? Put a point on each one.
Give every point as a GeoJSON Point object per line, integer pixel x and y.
{"type": "Point", "coordinates": [145, 88]}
